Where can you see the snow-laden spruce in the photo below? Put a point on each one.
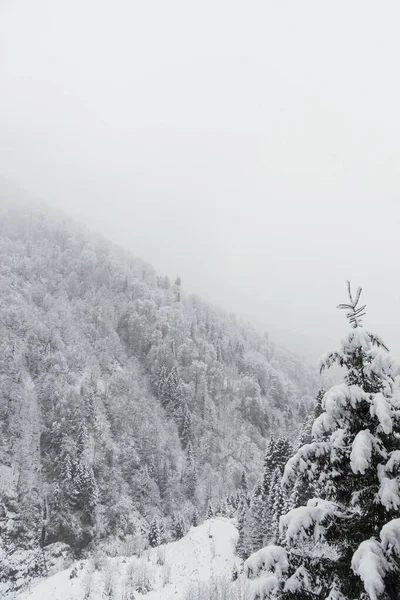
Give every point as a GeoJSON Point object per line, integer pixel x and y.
{"type": "Point", "coordinates": [344, 544]}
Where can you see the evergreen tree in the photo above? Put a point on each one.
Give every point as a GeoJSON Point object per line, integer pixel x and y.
{"type": "Point", "coordinates": [355, 462]}
{"type": "Point", "coordinates": [276, 479]}
{"type": "Point", "coordinates": [269, 466]}
{"type": "Point", "coordinates": [283, 451]}
{"type": "Point", "coordinates": [278, 509]}
{"type": "Point", "coordinates": [243, 483]}
{"type": "Point", "coordinates": [254, 533]}
{"type": "Point", "coordinates": [277, 453]}
{"type": "Point", "coordinates": [161, 528]}
{"type": "Point", "coordinates": [154, 533]}
{"type": "Point", "coordinates": [195, 519]}
{"type": "Point", "coordinates": [178, 526]}
{"type": "Point", "coordinates": [190, 475]}
{"type": "Point", "coordinates": [186, 430]}
{"type": "Point", "coordinates": [210, 511]}
{"type": "Point", "coordinates": [241, 519]}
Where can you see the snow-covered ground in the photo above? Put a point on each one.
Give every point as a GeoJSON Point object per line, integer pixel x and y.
{"type": "Point", "coordinates": [173, 571]}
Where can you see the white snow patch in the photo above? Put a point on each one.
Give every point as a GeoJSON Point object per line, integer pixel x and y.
{"type": "Point", "coordinates": [300, 580]}
{"type": "Point", "coordinates": [271, 560]}
{"type": "Point", "coordinates": [360, 457]}
{"type": "Point", "coordinates": [370, 564]}
{"type": "Point", "coordinates": [389, 491]}
{"type": "Point", "coordinates": [390, 536]}
{"type": "Point", "coordinates": [206, 551]}
{"type": "Point", "coordinates": [305, 521]}
{"type": "Point", "coordinates": [382, 409]}
{"type": "Point", "coordinates": [264, 588]}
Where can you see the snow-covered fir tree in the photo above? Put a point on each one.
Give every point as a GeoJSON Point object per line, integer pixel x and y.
{"type": "Point", "coordinates": [154, 533]}
{"type": "Point", "coordinates": [344, 544]}
{"type": "Point", "coordinates": [190, 474]}
{"type": "Point", "coordinates": [195, 518]}
{"type": "Point", "coordinates": [178, 526]}
{"type": "Point", "coordinates": [210, 511]}
{"type": "Point", "coordinates": [254, 531]}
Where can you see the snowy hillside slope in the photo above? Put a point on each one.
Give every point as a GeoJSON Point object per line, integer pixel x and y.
{"type": "Point", "coordinates": [122, 397]}
{"type": "Point", "coordinates": [173, 571]}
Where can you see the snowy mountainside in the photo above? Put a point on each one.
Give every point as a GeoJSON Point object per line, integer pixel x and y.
{"type": "Point", "coordinates": [122, 398]}
{"type": "Point", "coordinates": [179, 570]}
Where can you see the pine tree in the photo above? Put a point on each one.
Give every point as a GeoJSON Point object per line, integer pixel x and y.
{"type": "Point", "coordinates": [276, 479]}
{"type": "Point", "coordinates": [190, 475]}
{"type": "Point", "coordinates": [241, 519]}
{"type": "Point", "coordinates": [195, 519]}
{"type": "Point", "coordinates": [221, 509]}
{"type": "Point", "coordinates": [277, 453]}
{"type": "Point", "coordinates": [278, 509]}
{"type": "Point", "coordinates": [283, 450]}
{"type": "Point", "coordinates": [269, 466]}
{"type": "Point", "coordinates": [210, 512]}
{"type": "Point", "coordinates": [355, 462]}
{"type": "Point", "coordinates": [161, 528]}
{"type": "Point", "coordinates": [186, 430]}
{"type": "Point", "coordinates": [154, 533]}
{"type": "Point", "coordinates": [178, 526]}
{"type": "Point", "coordinates": [161, 385]}
{"type": "Point", "coordinates": [243, 483]}
{"type": "Point", "coordinates": [254, 533]}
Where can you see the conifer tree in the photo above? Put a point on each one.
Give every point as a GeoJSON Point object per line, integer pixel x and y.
{"type": "Point", "coordinates": [161, 528]}
{"type": "Point", "coordinates": [210, 511]}
{"type": "Point", "coordinates": [186, 430]}
{"type": "Point", "coordinates": [253, 535]}
{"type": "Point", "coordinates": [154, 533]}
{"type": "Point", "coordinates": [241, 519]}
{"type": "Point", "coordinates": [355, 462]}
{"type": "Point", "coordinates": [195, 519]}
{"type": "Point", "coordinates": [178, 526]}
{"type": "Point", "coordinates": [269, 466]}
{"type": "Point", "coordinates": [243, 483]}
{"type": "Point", "coordinates": [190, 475]}
{"type": "Point", "coordinates": [279, 505]}
{"type": "Point", "coordinates": [276, 479]}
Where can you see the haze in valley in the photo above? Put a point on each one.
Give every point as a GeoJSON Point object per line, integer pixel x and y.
{"type": "Point", "coordinates": [251, 147]}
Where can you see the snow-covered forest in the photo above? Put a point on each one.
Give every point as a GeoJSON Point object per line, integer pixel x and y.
{"type": "Point", "coordinates": [199, 333]}
{"type": "Point", "coordinates": [129, 409]}
{"type": "Point", "coordinates": [140, 425]}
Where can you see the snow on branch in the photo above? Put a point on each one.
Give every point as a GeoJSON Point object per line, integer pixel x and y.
{"type": "Point", "coordinates": [300, 580]}
{"type": "Point", "coordinates": [370, 564]}
{"type": "Point", "coordinates": [390, 536]}
{"type": "Point", "coordinates": [305, 522]}
{"type": "Point", "coordinates": [264, 588]}
{"type": "Point", "coordinates": [304, 460]}
{"type": "Point", "coordinates": [383, 411]}
{"type": "Point", "coordinates": [389, 490]}
{"type": "Point", "coordinates": [360, 457]}
{"type": "Point", "coordinates": [271, 560]}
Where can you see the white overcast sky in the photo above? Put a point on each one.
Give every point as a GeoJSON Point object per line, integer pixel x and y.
{"type": "Point", "coordinates": [252, 147]}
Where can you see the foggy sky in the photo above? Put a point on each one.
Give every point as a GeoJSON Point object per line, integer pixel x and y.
{"type": "Point", "coordinates": [252, 147]}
